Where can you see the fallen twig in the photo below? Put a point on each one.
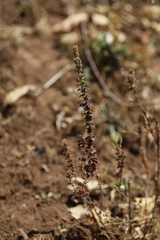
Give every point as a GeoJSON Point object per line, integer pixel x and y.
{"type": "Point", "coordinates": [53, 79]}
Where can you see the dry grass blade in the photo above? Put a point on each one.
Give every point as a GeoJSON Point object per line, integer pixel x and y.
{"type": "Point", "coordinates": [53, 79]}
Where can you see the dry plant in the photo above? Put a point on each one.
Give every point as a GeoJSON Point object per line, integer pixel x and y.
{"type": "Point", "coordinates": [151, 125]}
{"type": "Point", "coordinates": [87, 163]}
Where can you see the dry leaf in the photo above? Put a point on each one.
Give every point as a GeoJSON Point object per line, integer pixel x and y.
{"type": "Point", "coordinates": [119, 36]}
{"type": "Point", "coordinates": [100, 20]}
{"type": "Point", "coordinates": [138, 234]}
{"type": "Point", "coordinates": [93, 186]}
{"type": "Point", "coordinates": [70, 38]}
{"type": "Point", "coordinates": [17, 93]}
{"type": "Point", "coordinates": [70, 22]}
{"type": "Point", "coordinates": [78, 211]}
{"type": "Point", "coordinates": [143, 207]}
{"type": "Point", "coordinates": [146, 92]}
{"type": "Point", "coordinates": [96, 218]}
{"type": "Point", "coordinates": [156, 26]}
{"type": "Point", "coordinates": [62, 121]}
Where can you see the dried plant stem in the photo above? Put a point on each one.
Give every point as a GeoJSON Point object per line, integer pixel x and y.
{"type": "Point", "coordinates": [129, 203]}
{"type": "Point", "coordinates": [157, 182]}
{"type": "Point", "coordinates": [90, 161]}
{"type": "Point", "coordinates": [53, 79]}
{"type": "Point", "coordinates": [145, 160]}
{"type": "Point", "coordinates": [120, 159]}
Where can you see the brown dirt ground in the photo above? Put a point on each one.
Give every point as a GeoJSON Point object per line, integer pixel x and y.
{"type": "Point", "coordinates": [34, 199]}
